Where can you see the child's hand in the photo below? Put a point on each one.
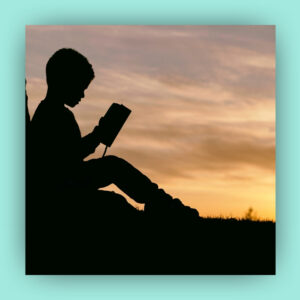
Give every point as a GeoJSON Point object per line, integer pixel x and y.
{"type": "Point", "coordinates": [101, 122]}
{"type": "Point", "coordinates": [99, 128]}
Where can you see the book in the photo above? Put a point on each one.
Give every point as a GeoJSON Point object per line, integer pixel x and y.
{"type": "Point", "coordinates": [112, 122]}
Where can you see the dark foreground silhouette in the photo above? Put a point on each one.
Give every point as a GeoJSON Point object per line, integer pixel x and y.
{"type": "Point", "coordinates": [102, 238]}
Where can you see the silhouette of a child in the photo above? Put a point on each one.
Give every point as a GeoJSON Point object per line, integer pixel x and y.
{"type": "Point", "coordinates": [57, 149]}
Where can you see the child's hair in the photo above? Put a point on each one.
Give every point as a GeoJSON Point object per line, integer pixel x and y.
{"type": "Point", "coordinates": [68, 66]}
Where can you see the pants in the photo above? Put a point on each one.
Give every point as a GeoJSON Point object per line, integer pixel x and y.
{"type": "Point", "coordinates": [101, 172]}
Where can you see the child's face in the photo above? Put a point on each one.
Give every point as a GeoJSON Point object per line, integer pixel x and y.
{"type": "Point", "coordinates": [74, 93]}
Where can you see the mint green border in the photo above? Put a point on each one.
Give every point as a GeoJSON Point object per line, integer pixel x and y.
{"type": "Point", "coordinates": [14, 16]}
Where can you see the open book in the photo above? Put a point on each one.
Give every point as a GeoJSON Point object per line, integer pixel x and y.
{"type": "Point", "coordinates": [112, 122]}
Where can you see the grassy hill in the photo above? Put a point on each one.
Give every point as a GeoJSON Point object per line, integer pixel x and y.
{"type": "Point", "coordinates": [116, 243]}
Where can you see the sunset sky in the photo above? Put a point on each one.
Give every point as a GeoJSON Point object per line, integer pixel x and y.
{"type": "Point", "coordinates": [203, 106]}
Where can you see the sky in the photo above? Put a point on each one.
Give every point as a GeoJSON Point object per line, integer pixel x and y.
{"type": "Point", "coordinates": [203, 106]}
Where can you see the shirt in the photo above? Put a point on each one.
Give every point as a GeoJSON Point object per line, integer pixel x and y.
{"type": "Point", "coordinates": [56, 147]}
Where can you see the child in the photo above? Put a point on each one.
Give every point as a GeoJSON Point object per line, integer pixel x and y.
{"type": "Point", "coordinates": [57, 149]}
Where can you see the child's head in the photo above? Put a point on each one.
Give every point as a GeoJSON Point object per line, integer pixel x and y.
{"type": "Point", "coordinates": [68, 74]}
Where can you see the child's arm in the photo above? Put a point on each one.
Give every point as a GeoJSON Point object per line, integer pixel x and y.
{"type": "Point", "coordinates": [90, 142]}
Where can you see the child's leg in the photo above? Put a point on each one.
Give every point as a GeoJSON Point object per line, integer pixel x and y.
{"type": "Point", "coordinates": [111, 169]}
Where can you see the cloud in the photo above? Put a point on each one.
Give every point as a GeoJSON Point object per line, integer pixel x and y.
{"type": "Point", "coordinates": [170, 153]}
